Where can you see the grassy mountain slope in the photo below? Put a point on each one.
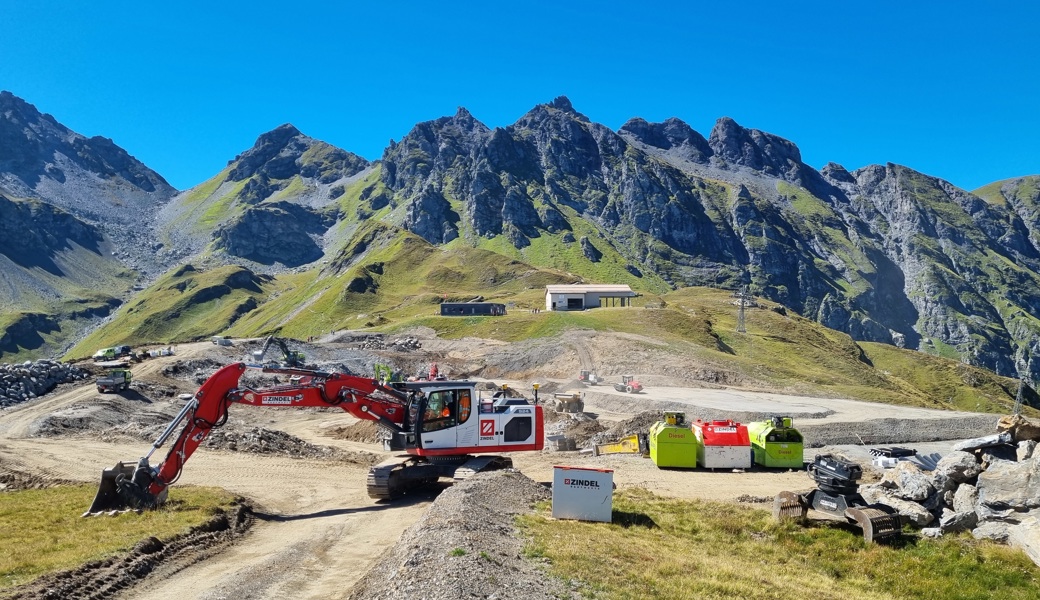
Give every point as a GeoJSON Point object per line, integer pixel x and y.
{"type": "Point", "coordinates": [184, 305]}
{"type": "Point", "coordinates": [387, 275]}
{"type": "Point", "coordinates": [57, 273]}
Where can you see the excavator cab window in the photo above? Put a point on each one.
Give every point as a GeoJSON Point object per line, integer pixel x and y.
{"type": "Point", "coordinates": [465, 405]}
{"type": "Point", "coordinates": [415, 403]}
{"type": "Point", "coordinates": [440, 410]}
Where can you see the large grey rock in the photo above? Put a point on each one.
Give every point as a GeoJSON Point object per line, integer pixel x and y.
{"type": "Point", "coordinates": [965, 498]}
{"type": "Point", "coordinates": [913, 511]}
{"type": "Point", "coordinates": [1007, 486]}
{"type": "Point", "coordinates": [906, 480]}
{"type": "Point", "coordinates": [991, 530]}
{"type": "Point", "coordinates": [958, 521]}
{"type": "Point", "coordinates": [1001, 452]}
{"type": "Point", "coordinates": [983, 442]}
{"type": "Point", "coordinates": [1026, 448]}
{"type": "Point", "coordinates": [1026, 536]}
{"type": "Point", "coordinates": [956, 467]}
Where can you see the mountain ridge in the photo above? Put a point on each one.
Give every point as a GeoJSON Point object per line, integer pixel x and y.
{"type": "Point", "coordinates": [883, 253]}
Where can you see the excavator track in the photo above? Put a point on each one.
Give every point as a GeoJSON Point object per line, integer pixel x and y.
{"type": "Point", "coordinates": [395, 478]}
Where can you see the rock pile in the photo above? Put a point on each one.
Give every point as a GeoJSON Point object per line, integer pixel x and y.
{"type": "Point", "coordinates": [25, 381]}
{"type": "Point", "coordinates": [466, 546]}
{"type": "Point", "coordinates": [989, 486]}
{"type": "Point", "coordinates": [377, 341]}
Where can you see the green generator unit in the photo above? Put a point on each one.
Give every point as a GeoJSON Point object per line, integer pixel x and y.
{"type": "Point", "coordinates": [776, 443]}
{"type": "Point", "coordinates": [673, 443]}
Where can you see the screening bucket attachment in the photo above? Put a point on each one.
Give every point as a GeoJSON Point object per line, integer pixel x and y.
{"type": "Point", "coordinates": [789, 505]}
{"type": "Point", "coordinates": [878, 521]}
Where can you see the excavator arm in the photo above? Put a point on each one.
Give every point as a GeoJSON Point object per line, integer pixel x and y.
{"type": "Point", "coordinates": [140, 485]}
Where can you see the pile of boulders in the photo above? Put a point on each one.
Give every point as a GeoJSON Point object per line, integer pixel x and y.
{"type": "Point", "coordinates": [989, 486]}
{"type": "Point", "coordinates": [25, 381]}
{"type": "Point", "coordinates": [405, 344]}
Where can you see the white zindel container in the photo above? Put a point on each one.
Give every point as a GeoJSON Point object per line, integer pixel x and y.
{"type": "Point", "coordinates": [581, 493]}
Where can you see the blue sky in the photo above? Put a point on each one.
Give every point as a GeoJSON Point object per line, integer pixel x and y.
{"type": "Point", "coordinates": [948, 88]}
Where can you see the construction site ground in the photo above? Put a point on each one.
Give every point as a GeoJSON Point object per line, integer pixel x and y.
{"type": "Point", "coordinates": [316, 532]}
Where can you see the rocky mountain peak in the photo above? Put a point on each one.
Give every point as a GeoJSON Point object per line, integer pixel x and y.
{"type": "Point", "coordinates": [672, 134]}
{"type": "Point", "coordinates": [279, 136]}
{"type": "Point", "coordinates": [560, 109]}
{"type": "Point", "coordinates": [752, 148]}
{"type": "Point", "coordinates": [89, 177]}
{"type": "Point", "coordinates": [275, 155]}
{"type": "Point", "coordinates": [562, 103]}
{"type": "Point", "coordinates": [15, 110]}
{"type": "Point", "coordinates": [837, 173]}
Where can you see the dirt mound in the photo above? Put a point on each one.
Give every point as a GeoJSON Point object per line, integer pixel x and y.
{"type": "Point", "coordinates": [640, 423]}
{"type": "Point", "coordinates": [149, 558]}
{"type": "Point", "coordinates": [110, 417]}
{"type": "Point", "coordinates": [362, 431]}
{"type": "Point", "coordinates": [466, 546]}
{"type": "Point", "coordinates": [582, 431]}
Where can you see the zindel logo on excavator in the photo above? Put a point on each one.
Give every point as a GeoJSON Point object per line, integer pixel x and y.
{"type": "Point", "coordinates": [282, 399]}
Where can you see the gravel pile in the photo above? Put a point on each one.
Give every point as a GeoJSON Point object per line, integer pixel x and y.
{"type": "Point", "coordinates": [25, 381]}
{"type": "Point", "coordinates": [466, 546]}
{"type": "Point", "coordinates": [259, 440]}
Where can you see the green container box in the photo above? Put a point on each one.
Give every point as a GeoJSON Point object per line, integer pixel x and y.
{"type": "Point", "coordinates": [673, 445]}
{"type": "Point", "coordinates": [776, 443]}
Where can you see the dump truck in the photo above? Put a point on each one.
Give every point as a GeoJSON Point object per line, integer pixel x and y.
{"type": "Point", "coordinates": [115, 380]}
{"type": "Point", "coordinates": [569, 402]}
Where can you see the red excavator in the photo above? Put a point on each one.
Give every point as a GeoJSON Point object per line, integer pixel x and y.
{"type": "Point", "coordinates": [443, 426]}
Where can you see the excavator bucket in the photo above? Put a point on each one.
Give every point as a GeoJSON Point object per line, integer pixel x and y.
{"type": "Point", "coordinates": [124, 487]}
{"type": "Point", "coordinates": [877, 522]}
{"type": "Point", "coordinates": [789, 505]}
{"type": "Point", "coordinates": [107, 498]}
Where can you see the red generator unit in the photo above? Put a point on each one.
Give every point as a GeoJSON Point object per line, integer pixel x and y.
{"type": "Point", "coordinates": [723, 445]}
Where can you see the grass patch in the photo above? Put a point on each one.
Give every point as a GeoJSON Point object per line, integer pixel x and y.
{"type": "Point", "coordinates": [663, 548]}
{"type": "Point", "coordinates": [43, 531]}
